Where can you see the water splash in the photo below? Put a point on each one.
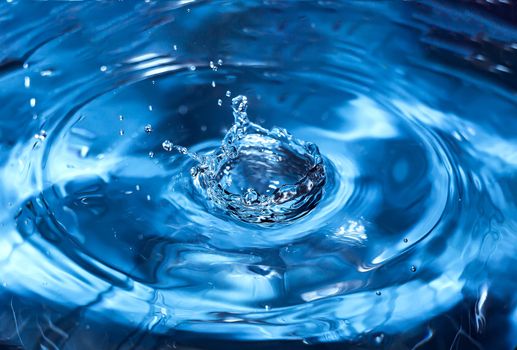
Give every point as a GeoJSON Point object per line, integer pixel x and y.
{"type": "Point", "coordinates": [259, 175]}
{"type": "Point", "coordinates": [106, 235]}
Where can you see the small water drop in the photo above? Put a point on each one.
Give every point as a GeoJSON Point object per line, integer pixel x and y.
{"type": "Point", "coordinates": [175, 47]}
{"type": "Point", "coordinates": [181, 149]}
{"type": "Point", "coordinates": [46, 72]}
{"type": "Point", "coordinates": [220, 102]}
{"type": "Point", "coordinates": [27, 82]}
{"type": "Point", "coordinates": [379, 339]}
{"type": "Point", "coordinates": [148, 128]}
{"type": "Point", "coordinates": [42, 135]}
{"type": "Point", "coordinates": [121, 117]}
{"type": "Point", "coordinates": [150, 108]}
{"type": "Point", "coordinates": [167, 145]}
{"type": "Point", "coordinates": [406, 240]}
{"type": "Point", "coordinates": [32, 102]}
{"type": "Point", "coordinates": [240, 104]}
{"type": "Point", "coordinates": [250, 196]}
{"type": "Point", "coordinates": [192, 68]}
{"type": "Point", "coordinates": [103, 68]}
{"type": "Point", "coordinates": [228, 93]}
{"type": "Point", "coordinates": [220, 62]}
{"type": "Point", "coordinates": [121, 132]}
{"type": "Point", "coordinates": [378, 292]}
{"type": "Point", "coordinates": [213, 83]}
{"type": "Point", "coordinates": [25, 65]}
{"type": "Point", "coordinates": [413, 268]}
{"type": "Point", "coordinates": [151, 154]}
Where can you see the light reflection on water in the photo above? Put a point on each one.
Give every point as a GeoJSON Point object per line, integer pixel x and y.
{"type": "Point", "coordinates": [107, 242]}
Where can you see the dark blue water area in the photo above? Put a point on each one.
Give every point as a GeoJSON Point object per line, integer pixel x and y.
{"type": "Point", "coordinates": [369, 202]}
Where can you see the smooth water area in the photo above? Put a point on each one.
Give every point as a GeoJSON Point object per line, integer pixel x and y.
{"type": "Point", "coordinates": [258, 174]}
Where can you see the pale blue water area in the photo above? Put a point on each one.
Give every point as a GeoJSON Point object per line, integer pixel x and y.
{"type": "Point", "coordinates": [258, 175]}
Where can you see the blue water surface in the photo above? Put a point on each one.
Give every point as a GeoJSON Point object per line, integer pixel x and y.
{"type": "Point", "coordinates": [370, 204]}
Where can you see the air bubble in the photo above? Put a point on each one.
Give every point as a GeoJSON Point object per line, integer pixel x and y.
{"type": "Point", "coordinates": [148, 128]}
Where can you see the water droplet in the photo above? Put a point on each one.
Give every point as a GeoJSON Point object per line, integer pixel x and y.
{"type": "Point", "coordinates": [203, 128]}
{"type": "Point", "coordinates": [181, 149]}
{"type": "Point", "coordinates": [121, 132]}
{"type": "Point", "coordinates": [25, 65]}
{"type": "Point", "coordinates": [150, 108]}
{"type": "Point", "coordinates": [413, 268]}
{"type": "Point", "coordinates": [151, 154]}
{"type": "Point", "coordinates": [250, 196]}
{"type": "Point", "coordinates": [175, 47]}
{"type": "Point", "coordinates": [213, 83]}
{"type": "Point", "coordinates": [27, 82]}
{"type": "Point", "coordinates": [103, 68]}
{"type": "Point", "coordinates": [46, 72]}
{"type": "Point", "coordinates": [220, 102]}
{"type": "Point", "coordinates": [192, 68]}
{"type": "Point", "coordinates": [378, 292]}
{"type": "Point", "coordinates": [240, 104]}
{"type": "Point", "coordinates": [42, 135]}
{"type": "Point", "coordinates": [84, 151]}
{"type": "Point", "coordinates": [406, 240]}
{"type": "Point", "coordinates": [167, 145]}
{"type": "Point", "coordinates": [32, 102]}
{"type": "Point", "coordinates": [183, 109]}
{"type": "Point", "coordinates": [220, 62]}
{"type": "Point", "coordinates": [121, 117]}
{"type": "Point", "coordinates": [379, 339]}
{"type": "Point", "coordinates": [148, 128]}
{"type": "Point", "coordinates": [228, 93]}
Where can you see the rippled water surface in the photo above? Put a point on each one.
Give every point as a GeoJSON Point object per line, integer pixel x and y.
{"type": "Point", "coordinates": [358, 193]}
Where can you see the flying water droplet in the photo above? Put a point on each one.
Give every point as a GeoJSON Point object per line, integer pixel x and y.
{"type": "Point", "coordinates": [167, 145]}
{"type": "Point", "coordinates": [148, 128]}
{"type": "Point", "coordinates": [42, 135]}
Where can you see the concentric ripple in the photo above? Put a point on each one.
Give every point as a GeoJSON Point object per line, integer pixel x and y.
{"type": "Point", "coordinates": [367, 199]}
